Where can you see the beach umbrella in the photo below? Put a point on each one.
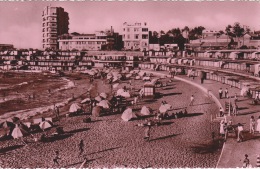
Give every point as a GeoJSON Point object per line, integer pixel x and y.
{"type": "Point", "coordinates": [7, 124]}
{"type": "Point", "coordinates": [115, 85]}
{"type": "Point", "coordinates": [18, 131]}
{"type": "Point", "coordinates": [125, 94]}
{"type": "Point", "coordinates": [137, 77]}
{"type": "Point", "coordinates": [15, 120]}
{"type": "Point", "coordinates": [85, 100]}
{"type": "Point", "coordinates": [164, 108]}
{"type": "Point", "coordinates": [98, 98]}
{"type": "Point", "coordinates": [104, 104]}
{"type": "Point", "coordinates": [74, 108]}
{"type": "Point", "coordinates": [128, 114]}
{"type": "Point", "coordinates": [45, 125]}
{"type": "Point", "coordinates": [145, 111]}
{"type": "Point", "coordinates": [128, 75]}
{"type": "Point", "coordinates": [119, 91]}
{"type": "Point", "coordinates": [104, 95]}
{"type": "Point", "coordinates": [115, 79]}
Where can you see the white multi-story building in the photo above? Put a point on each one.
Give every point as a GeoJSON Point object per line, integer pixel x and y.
{"type": "Point", "coordinates": [55, 22]}
{"type": "Point", "coordinates": [135, 36]}
{"type": "Point", "coordinates": [83, 41]}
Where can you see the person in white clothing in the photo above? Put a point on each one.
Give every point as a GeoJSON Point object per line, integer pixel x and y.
{"type": "Point", "coordinates": [258, 125]}
{"type": "Point", "coordinates": [191, 100]}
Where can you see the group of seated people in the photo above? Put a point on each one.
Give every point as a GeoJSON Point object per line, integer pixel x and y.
{"type": "Point", "coordinates": [169, 115]}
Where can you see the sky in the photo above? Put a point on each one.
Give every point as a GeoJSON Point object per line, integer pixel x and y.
{"type": "Point", "coordinates": [20, 22]}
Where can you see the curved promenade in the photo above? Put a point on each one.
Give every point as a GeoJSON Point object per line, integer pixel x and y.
{"type": "Point", "coordinates": [232, 154]}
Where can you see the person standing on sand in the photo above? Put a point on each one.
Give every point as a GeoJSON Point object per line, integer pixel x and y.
{"type": "Point", "coordinates": [246, 161]}
{"type": "Point", "coordinates": [252, 125]}
{"type": "Point", "coordinates": [239, 134]}
{"type": "Point", "coordinates": [191, 100]}
{"type": "Point", "coordinates": [81, 147]}
{"type": "Point", "coordinates": [56, 158]}
{"type": "Point", "coordinates": [147, 131]}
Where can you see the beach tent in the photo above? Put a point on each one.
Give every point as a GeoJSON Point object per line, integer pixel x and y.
{"type": "Point", "coordinates": [74, 108]}
{"type": "Point", "coordinates": [128, 75]}
{"type": "Point", "coordinates": [145, 111]}
{"type": "Point", "coordinates": [119, 91]}
{"type": "Point", "coordinates": [125, 94]}
{"type": "Point", "coordinates": [18, 131]}
{"type": "Point", "coordinates": [137, 77]}
{"type": "Point", "coordinates": [141, 74]}
{"type": "Point", "coordinates": [104, 103]}
{"type": "Point", "coordinates": [7, 124]}
{"type": "Point", "coordinates": [96, 111]}
{"type": "Point", "coordinates": [164, 108]}
{"type": "Point", "coordinates": [132, 71]}
{"type": "Point", "coordinates": [45, 125]}
{"type": "Point", "coordinates": [104, 95]}
{"type": "Point", "coordinates": [128, 114]}
{"type": "Point", "coordinates": [115, 79]}
{"type": "Point", "coordinates": [85, 100]}
{"type": "Point", "coordinates": [98, 98]}
{"type": "Point", "coordinates": [115, 85]}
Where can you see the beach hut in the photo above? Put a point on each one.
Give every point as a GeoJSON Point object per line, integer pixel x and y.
{"type": "Point", "coordinates": [149, 88]}
{"type": "Point", "coordinates": [128, 114]}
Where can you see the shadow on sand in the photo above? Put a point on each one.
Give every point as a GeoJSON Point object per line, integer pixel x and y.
{"type": "Point", "coordinates": [165, 137]}
{"type": "Point", "coordinates": [78, 130]}
{"type": "Point", "coordinates": [207, 148]}
{"type": "Point", "coordinates": [109, 149]}
{"type": "Point", "coordinates": [78, 163]}
{"type": "Point", "coordinates": [11, 148]}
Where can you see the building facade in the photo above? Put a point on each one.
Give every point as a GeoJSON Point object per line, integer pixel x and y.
{"type": "Point", "coordinates": [83, 41]}
{"type": "Point", "coordinates": [135, 36]}
{"type": "Point", "coordinates": [55, 22]}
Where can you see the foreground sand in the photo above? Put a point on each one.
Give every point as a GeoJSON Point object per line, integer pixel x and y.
{"type": "Point", "coordinates": [111, 142]}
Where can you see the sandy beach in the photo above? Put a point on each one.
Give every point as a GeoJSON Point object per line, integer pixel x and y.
{"type": "Point", "coordinates": [111, 142]}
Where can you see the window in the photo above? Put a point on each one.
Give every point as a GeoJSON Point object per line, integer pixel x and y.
{"type": "Point", "coordinates": [124, 29]}
{"type": "Point", "coordinates": [136, 29]}
{"type": "Point", "coordinates": [128, 29]}
{"type": "Point", "coordinates": [128, 36]}
{"type": "Point", "coordinates": [145, 29]}
{"type": "Point", "coordinates": [136, 36]}
{"type": "Point", "coordinates": [144, 36]}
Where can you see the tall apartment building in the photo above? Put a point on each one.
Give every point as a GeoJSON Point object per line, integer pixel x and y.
{"type": "Point", "coordinates": [135, 36]}
{"type": "Point", "coordinates": [55, 22]}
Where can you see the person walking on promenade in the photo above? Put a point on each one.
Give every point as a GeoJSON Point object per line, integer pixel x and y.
{"type": "Point", "coordinates": [258, 124]}
{"type": "Point", "coordinates": [252, 125]}
{"type": "Point", "coordinates": [226, 93]}
{"type": "Point", "coordinates": [234, 106]}
{"type": "Point", "coordinates": [220, 92]}
{"type": "Point", "coordinates": [221, 112]}
{"type": "Point", "coordinates": [246, 161]}
{"type": "Point", "coordinates": [240, 134]}
{"type": "Point", "coordinates": [56, 158]}
{"type": "Point", "coordinates": [191, 100]}
{"type": "Point", "coordinates": [222, 128]}
{"type": "Point", "coordinates": [81, 147]}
